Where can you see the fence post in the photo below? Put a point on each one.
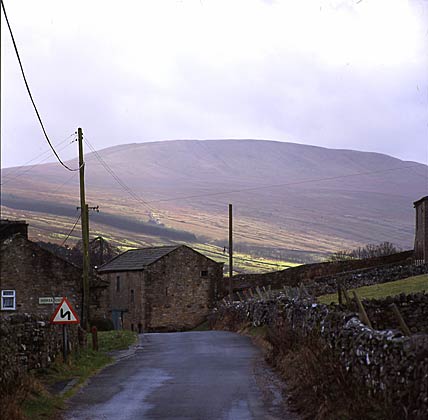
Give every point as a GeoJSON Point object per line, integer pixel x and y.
{"type": "Point", "coordinates": [259, 292]}
{"type": "Point", "coordinates": [363, 313]}
{"type": "Point", "coordinates": [265, 293]}
{"type": "Point", "coordinates": [401, 321]}
{"type": "Point", "coordinates": [347, 298]}
{"type": "Point", "coordinates": [94, 338]}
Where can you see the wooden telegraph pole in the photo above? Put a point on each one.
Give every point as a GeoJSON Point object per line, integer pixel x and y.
{"type": "Point", "coordinates": [84, 216]}
{"type": "Point", "coordinates": [230, 253]}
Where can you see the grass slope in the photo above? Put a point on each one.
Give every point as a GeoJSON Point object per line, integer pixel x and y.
{"type": "Point", "coordinates": [377, 291]}
{"type": "Point", "coordinates": [50, 228]}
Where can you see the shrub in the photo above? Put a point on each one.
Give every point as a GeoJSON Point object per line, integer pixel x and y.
{"type": "Point", "coordinates": [103, 324]}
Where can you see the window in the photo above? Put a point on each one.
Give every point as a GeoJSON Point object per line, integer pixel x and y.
{"type": "Point", "coordinates": [132, 297]}
{"type": "Point", "coordinates": [118, 284]}
{"type": "Point", "coordinates": [204, 273]}
{"type": "Point", "coordinates": [8, 300]}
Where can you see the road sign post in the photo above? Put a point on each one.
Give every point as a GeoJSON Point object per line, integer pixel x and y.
{"type": "Point", "coordinates": [64, 315]}
{"type": "Point", "coordinates": [64, 342]}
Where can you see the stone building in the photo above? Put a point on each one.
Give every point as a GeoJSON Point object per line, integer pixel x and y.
{"type": "Point", "coordinates": [421, 231]}
{"type": "Point", "coordinates": [167, 288]}
{"type": "Point", "coordinates": [33, 280]}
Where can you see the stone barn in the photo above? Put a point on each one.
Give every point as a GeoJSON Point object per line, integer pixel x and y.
{"type": "Point", "coordinates": [168, 288]}
{"type": "Point", "coordinates": [421, 231]}
{"type": "Point", "coordinates": [33, 280]}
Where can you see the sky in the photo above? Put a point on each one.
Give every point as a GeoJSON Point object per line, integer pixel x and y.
{"type": "Point", "coordinates": [348, 74]}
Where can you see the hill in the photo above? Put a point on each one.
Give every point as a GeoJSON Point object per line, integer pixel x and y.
{"type": "Point", "coordinates": [289, 199]}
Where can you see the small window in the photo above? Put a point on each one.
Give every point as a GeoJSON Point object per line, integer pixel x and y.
{"type": "Point", "coordinates": [204, 273]}
{"type": "Point", "coordinates": [166, 291]}
{"type": "Point", "coordinates": [8, 300]}
{"type": "Point", "coordinates": [132, 297]}
{"type": "Point", "coordinates": [118, 284]}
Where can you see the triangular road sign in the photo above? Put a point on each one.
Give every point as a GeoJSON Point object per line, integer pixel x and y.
{"type": "Point", "coordinates": [64, 314]}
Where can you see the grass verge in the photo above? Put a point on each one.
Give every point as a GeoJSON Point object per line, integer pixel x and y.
{"type": "Point", "coordinates": [377, 291]}
{"type": "Point", "coordinates": [43, 398]}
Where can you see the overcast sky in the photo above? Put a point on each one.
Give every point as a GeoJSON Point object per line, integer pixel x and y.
{"type": "Point", "coordinates": [336, 73]}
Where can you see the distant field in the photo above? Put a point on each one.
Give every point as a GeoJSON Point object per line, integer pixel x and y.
{"type": "Point", "coordinates": [409, 285]}
{"type": "Point", "coordinates": [50, 228]}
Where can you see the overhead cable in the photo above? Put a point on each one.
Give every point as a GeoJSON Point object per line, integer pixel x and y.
{"type": "Point", "coordinates": [71, 231]}
{"type": "Point", "coordinates": [285, 184]}
{"type": "Point", "coordinates": [18, 171]}
{"type": "Point", "coordinates": [31, 96]}
{"type": "Point", "coordinates": [117, 179]}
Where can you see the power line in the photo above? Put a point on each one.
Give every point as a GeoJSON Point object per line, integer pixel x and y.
{"type": "Point", "coordinates": [30, 95]}
{"type": "Point", "coordinates": [64, 183]}
{"type": "Point", "coordinates": [28, 169]}
{"type": "Point", "coordinates": [22, 166]}
{"type": "Point", "coordinates": [23, 169]}
{"type": "Point", "coordinates": [117, 179]}
{"type": "Point", "coordinates": [285, 184]}
{"type": "Point", "coordinates": [71, 231]}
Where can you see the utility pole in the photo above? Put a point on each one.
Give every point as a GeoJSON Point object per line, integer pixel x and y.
{"type": "Point", "coordinates": [85, 234]}
{"type": "Point", "coordinates": [230, 253]}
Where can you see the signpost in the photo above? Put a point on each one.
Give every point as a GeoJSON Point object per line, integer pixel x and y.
{"type": "Point", "coordinates": [64, 314]}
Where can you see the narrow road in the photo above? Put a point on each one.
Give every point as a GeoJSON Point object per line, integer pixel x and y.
{"type": "Point", "coordinates": [193, 375]}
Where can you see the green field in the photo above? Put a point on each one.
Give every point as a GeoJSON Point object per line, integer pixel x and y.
{"type": "Point", "coordinates": [377, 291]}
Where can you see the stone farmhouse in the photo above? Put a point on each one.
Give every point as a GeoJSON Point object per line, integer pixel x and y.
{"type": "Point", "coordinates": [33, 280]}
{"type": "Point", "coordinates": [421, 231]}
{"type": "Point", "coordinates": [167, 288]}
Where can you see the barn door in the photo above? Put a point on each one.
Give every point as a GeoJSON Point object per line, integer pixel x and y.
{"type": "Point", "coordinates": [117, 319]}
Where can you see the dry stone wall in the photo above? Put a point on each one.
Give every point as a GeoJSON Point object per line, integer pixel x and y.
{"type": "Point", "coordinates": [413, 308]}
{"type": "Point", "coordinates": [388, 364]}
{"type": "Point", "coordinates": [28, 342]}
{"type": "Point", "coordinates": [306, 273]}
{"type": "Point", "coordinates": [365, 277]}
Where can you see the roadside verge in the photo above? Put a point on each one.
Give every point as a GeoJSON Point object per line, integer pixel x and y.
{"type": "Point", "coordinates": [45, 391]}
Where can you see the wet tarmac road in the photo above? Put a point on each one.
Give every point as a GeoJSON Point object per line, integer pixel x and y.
{"type": "Point", "coordinates": [194, 375]}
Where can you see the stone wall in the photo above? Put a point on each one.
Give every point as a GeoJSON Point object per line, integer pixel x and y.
{"type": "Point", "coordinates": [28, 342]}
{"type": "Point", "coordinates": [126, 291]}
{"type": "Point", "coordinates": [181, 290]}
{"type": "Point", "coordinates": [99, 308]}
{"type": "Point", "coordinates": [177, 292]}
{"type": "Point", "coordinates": [34, 273]}
{"type": "Point", "coordinates": [365, 277]}
{"type": "Point", "coordinates": [413, 309]}
{"type": "Point", "coordinates": [388, 364]}
{"type": "Point", "coordinates": [305, 273]}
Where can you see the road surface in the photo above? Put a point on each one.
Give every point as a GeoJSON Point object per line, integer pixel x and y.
{"type": "Point", "coordinates": [206, 375]}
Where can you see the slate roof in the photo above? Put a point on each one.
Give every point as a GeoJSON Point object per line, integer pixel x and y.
{"type": "Point", "coordinates": [136, 259]}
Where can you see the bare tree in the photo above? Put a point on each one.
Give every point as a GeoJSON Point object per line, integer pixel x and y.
{"type": "Point", "coordinates": [367, 251]}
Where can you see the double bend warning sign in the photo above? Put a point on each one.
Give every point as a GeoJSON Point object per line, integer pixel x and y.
{"type": "Point", "coordinates": [64, 314]}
